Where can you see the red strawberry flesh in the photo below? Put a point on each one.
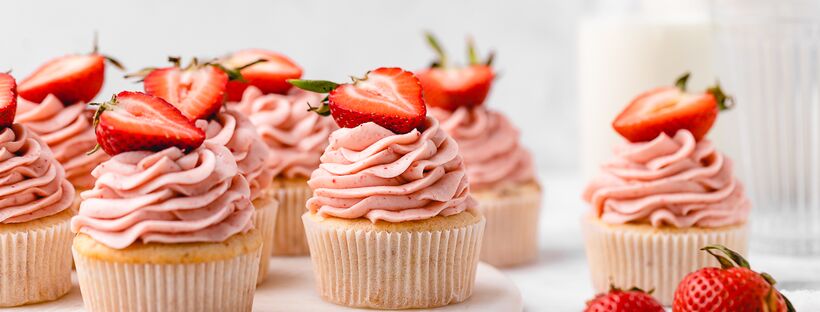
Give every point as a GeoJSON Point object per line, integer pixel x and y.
{"type": "Point", "coordinates": [666, 110]}
{"type": "Point", "coordinates": [71, 78]}
{"type": "Point", "coordinates": [270, 76]}
{"type": "Point", "coordinates": [451, 88]}
{"type": "Point", "coordinates": [198, 93]}
{"type": "Point", "coordinates": [8, 100]}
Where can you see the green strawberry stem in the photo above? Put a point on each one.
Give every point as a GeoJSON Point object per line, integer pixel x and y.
{"type": "Point", "coordinates": [434, 43]}
{"type": "Point", "coordinates": [318, 86]}
{"type": "Point", "coordinates": [724, 101]}
{"type": "Point", "coordinates": [111, 60]}
{"type": "Point", "coordinates": [737, 260]}
{"type": "Point", "coordinates": [472, 56]}
{"type": "Point", "coordinates": [682, 80]}
{"type": "Point", "coordinates": [101, 107]}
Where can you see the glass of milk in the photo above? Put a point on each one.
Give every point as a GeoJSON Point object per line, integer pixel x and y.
{"type": "Point", "coordinates": [627, 47]}
{"type": "Point", "coordinates": [769, 57]}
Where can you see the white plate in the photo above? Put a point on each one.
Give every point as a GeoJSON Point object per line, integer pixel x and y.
{"type": "Point", "coordinates": [290, 287]}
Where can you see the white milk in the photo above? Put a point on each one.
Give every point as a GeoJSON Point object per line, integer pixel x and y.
{"type": "Point", "coordinates": [624, 54]}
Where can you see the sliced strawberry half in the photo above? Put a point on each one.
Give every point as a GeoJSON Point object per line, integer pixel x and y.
{"type": "Point", "coordinates": [669, 109]}
{"type": "Point", "coordinates": [135, 121]}
{"type": "Point", "coordinates": [8, 100]}
{"type": "Point", "coordinates": [269, 76]}
{"type": "Point", "coordinates": [448, 86]}
{"type": "Point", "coordinates": [71, 78]}
{"type": "Point", "coordinates": [198, 91]}
{"type": "Point", "coordinates": [451, 88]}
{"type": "Point", "coordinates": [390, 97]}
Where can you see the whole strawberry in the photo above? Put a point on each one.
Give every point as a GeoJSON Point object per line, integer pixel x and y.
{"type": "Point", "coordinates": [733, 287]}
{"type": "Point", "coordinates": [617, 300]}
{"type": "Point", "coordinates": [448, 86]}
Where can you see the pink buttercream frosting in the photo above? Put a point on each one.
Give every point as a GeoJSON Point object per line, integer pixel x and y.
{"type": "Point", "coordinates": [295, 136]}
{"type": "Point", "coordinates": [236, 132]}
{"type": "Point", "coordinates": [166, 197]}
{"type": "Point", "coordinates": [490, 146]}
{"type": "Point", "coordinates": [371, 172]}
{"type": "Point", "coordinates": [669, 181]}
{"type": "Point", "coordinates": [32, 182]}
{"type": "Point", "coordinates": [68, 131]}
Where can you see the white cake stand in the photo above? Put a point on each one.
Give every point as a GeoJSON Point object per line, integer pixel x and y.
{"type": "Point", "coordinates": [290, 287]}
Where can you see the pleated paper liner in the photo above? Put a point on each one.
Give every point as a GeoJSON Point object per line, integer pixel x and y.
{"type": "Point", "coordinates": [418, 265]}
{"type": "Point", "coordinates": [35, 260]}
{"type": "Point", "coordinates": [264, 221]}
{"type": "Point", "coordinates": [169, 277]}
{"type": "Point", "coordinates": [511, 235]}
{"type": "Point", "coordinates": [652, 258]}
{"type": "Point", "coordinates": [289, 238]}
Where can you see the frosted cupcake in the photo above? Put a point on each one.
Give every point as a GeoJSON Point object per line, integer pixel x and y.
{"type": "Point", "coordinates": [168, 225]}
{"type": "Point", "coordinates": [35, 197]}
{"type": "Point", "coordinates": [295, 137]}
{"type": "Point", "coordinates": [233, 130]}
{"type": "Point", "coordinates": [500, 170]}
{"type": "Point", "coordinates": [53, 105]}
{"type": "Point", "coordinates": [664, 195]}
{"type": "Point", "coordinates": [391, 224]}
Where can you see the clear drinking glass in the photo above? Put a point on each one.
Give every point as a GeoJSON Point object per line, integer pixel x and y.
{"type": "Point", "coordinates": [769, 58]}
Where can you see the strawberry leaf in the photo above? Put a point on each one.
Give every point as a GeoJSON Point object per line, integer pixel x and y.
{"type": "Point", "coordinates": [323, 110]}
{"type": "Point", "coordinates": [724, 101]}
{"type": "Point", "coordinates": [434, 44]}
{"type": "Point", "coordinates": [472, 56]}
{"type": "Point", "coordinates": [682, 80]}
{"type": "Point", "coordinates": [725, 263]}
{"type": "Point", "coordinates": [318, 86]}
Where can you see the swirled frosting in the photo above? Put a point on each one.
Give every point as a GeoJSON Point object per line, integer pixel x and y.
{"type": "Point", "coordinates": [32, 182]}
{"type": "Point", "coordinates": [672, 181]}
{"type": "Point", "coordinates": [294, 135]}
{"type": "Point", "coordinates": [371, 172]}
{"type": "Point", "coordinates": [166, 197]}
{"type": "Point", "coordinates": [490, 146]}
{"type": "Point", "coordinates": [69, 133]}
{"type": "Point", "coordinates": [236, 132]}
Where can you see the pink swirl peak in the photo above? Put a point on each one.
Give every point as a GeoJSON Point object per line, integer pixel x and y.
{"type": "Point", "coordinates": [166, 197]}
{"type": "Point", "coordinates": [294, 135]}
{"type": "Point", "coordinates": [69, 133]}
{"type": "Point", "coordinates": [489, 144]}
{"type": "Point", "coordinates": [32, 183]}
{"type": "Point", "coordinates": [236, 132]}
{"type": "Point", "coordinates": [673, 181]}
{"type": "Point", "coordinates": [371, 172]}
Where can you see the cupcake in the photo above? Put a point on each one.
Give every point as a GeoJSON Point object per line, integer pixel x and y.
{"type": "Point", "coordinates": [168, 225]}
{"type": "Point", "coordinates": [198, 91]}
{"type": "Point", "coordinates": [664, 195]}
{"type": "Point", "coordinates": [233, 130]}
{"type": "Point", "coordinates": [53, 105]}
{"type": "Point", "coordinates": [500, 170]}
{"type": "Point", "coordinates": [391, 223]}
{"type": "Point", "coordinates": [295, 137]}
{"type": "Point", "coordinates": [35, 197]}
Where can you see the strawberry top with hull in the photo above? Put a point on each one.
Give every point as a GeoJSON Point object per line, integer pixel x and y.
{"type": "Point", "coordinates": [134, 121]}
{"type": "Point", "coordinates": [449, 87]}
{"type": "Point", "coordinates": [388, 96]}
{"type": "Point", "coordinates": [269, 76]}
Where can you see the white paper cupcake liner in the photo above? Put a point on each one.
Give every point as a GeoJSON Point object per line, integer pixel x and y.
{"type": "Point", "coordinates": [649, 258]}
{"type": "Point", "coordinates": [35, 264]}
{"type": "Point", "coordinates": [225, 285]}
{"type": "Point", "coordinates": [394, 270]}
{"type": "Point", "coordinates": [289, 238]}
{"type": "Point", "coordinates": [264, 222]}
{"type": "Point", "coordinates": [511, 235]}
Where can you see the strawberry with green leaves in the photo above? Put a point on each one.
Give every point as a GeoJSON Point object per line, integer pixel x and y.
{"type": "Point", "coordinates": [733, 287]}
{"type": "Point", "coordinates": [669, 109]}
{"type": "Point", "coordinates": [134, 121]}
{"type": "Point", "coordinates": [449, 86]}
{"type": "Point", "coordinates": [388, 96]}
{"type": "Point", "coordinates": [269, 76]}
{"type": "Point", "coordinates": [617, 300]}
{"type": "Point", "coordinates": [71, 78]}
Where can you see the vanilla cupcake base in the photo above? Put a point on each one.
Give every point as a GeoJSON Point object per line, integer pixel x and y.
{"type": "Point", "coordinates": [511, 235]}
{"type": "Point", "coordinates": [640, 255]}
{"type": "Point", "coordinates": [169, 277]}
{"type": "Point", "coordinates": [289, 236]}
{"type": "Point", "coordinates": [416, 264]}
{"type": "Point", "coordinates": [264, 220]}
{"type": "Point", "coordinates": [35, 260]}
